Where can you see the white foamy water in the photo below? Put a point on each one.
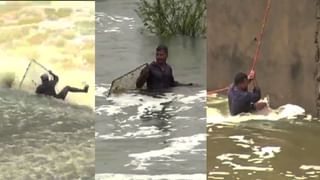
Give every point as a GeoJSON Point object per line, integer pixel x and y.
{"type": "Point", "coordinates": [262, 144]}
{"type": "Point", "coordinates": [141, 133]}
{"type": "Point", "coordinates": [257, 155]}
{"type": "Point", "coordinates": [118, 103]}
{"type": "Point", "coordinates": [176, 146]}
{"type": "Point", "coordinates": [215, 116]}
{"type": "Point", "coordinates": [141, 117]}
{"type": "Point", "coordinates": [307, 167]}
{"type": "Point", "coordinates": [110, 176]}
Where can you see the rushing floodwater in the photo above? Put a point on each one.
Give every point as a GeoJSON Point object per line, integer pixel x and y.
{"type": "Point", "coordinates": [44, 138]}
{"type": "Point", "coordinates": [141, 136]}
{"type": "Point", "coordinates": [275, 144]}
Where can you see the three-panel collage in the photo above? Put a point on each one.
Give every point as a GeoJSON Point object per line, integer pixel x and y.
{"type": "Point", "coordinates": [160, 90]}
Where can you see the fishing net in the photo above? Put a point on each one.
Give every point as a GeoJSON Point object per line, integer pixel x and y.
{"type": "Point", "coordinates": [126, 81]}
{"type": "Point", "coordinates": [31, 77]}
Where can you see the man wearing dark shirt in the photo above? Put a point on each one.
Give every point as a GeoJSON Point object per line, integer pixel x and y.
{"type": "Point", "coordinates": [48, 87]}
{"type": "Point", "coordinates": [240, 99]}
{"type": "Point", "coordinates": [158, 74]}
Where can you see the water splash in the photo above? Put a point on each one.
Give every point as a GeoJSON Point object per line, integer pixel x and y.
{"type": "Point", "coordinates": [217, 112]}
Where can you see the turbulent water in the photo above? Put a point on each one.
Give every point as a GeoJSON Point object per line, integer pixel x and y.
{"type": "Point", "coordinates": [277, 144]}
{"type": "Point", "coordinates": [44, 138]}
{"type": "Point", "coordinates": [141, 135]}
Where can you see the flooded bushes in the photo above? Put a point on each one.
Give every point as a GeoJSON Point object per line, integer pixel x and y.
{"type": "Point", "coordinates": [172, 17]}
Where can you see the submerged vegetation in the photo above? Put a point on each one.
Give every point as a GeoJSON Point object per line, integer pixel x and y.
{"type": "Point", "coordinates": [172, 17]}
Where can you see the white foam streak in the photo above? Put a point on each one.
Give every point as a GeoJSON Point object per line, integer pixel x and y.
{"type": "Point", "coordinates": [214, 116]}
{"type": "Point", "coordinates": [110, 176]}
{"type": "Point", "coordinates": [176, 147]}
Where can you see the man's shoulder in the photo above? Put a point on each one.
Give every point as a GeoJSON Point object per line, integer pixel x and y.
{"type": "Point", "coordinates": [152, 65]}
{"type": "Point", "coordinates": [234, 92]}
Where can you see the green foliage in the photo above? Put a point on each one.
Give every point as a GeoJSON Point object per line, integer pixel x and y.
{"type": "Point", "coordinates": [171, 17]}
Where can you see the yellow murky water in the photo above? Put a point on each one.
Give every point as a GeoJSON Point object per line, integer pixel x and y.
{"type": "Point", "coordinates": [59, 35]}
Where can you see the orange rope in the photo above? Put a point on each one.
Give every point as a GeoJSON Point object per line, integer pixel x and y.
{"type": "Point", "coordinates": [257, 53]}
{"type": "Point", "coordinates": [217, 90]}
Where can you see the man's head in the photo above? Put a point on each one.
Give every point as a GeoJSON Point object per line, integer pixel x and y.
{"type": "Point", "coordinates": [241, 81]}
{"type": "Point", "coordinates": [44, 78]}
{"type": "Point", "coordinates": [161, 54]}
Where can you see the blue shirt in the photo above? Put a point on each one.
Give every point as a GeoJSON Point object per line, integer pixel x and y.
{"type": "Point", "coordinates": [242, 101]}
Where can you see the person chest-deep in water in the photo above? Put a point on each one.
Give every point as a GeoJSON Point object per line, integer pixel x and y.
{"type": "Point", "coordinates": [158, 75]}
{"type": "Point", "coordinates": [47, 87]}
{"type": "Point", "coordinates": [240, 99]}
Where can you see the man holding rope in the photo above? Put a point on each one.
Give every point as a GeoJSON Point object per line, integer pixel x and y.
{"type": "Point", "coordinates": [240, 99]}
{"type": "Point", "coordinates": [48, 87]}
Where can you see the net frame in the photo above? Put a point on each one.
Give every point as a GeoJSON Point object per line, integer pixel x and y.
{"type": "Point", "coordinates": [117, 86]}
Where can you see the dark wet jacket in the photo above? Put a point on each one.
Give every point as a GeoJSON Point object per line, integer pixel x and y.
{"type": "Point", "coordinates": [48, 88]}
{"type": "Point", "coordinates": [242, 101]}
{"type": "Point", "coordinates": [160, 79]}
{"type": "Point", "coordinates": [157, 77]}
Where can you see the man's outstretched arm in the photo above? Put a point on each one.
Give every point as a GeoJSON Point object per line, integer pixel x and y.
{"type": "Point", "coordinates": [174, 83]}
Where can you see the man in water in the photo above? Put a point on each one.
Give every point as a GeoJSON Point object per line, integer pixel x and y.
{"type": "Point", "coordinates": [158, 74]}
{"type": "Point", "coordinates": [48, 87]}
{"type": "Point", "coordinates": [240, 99]}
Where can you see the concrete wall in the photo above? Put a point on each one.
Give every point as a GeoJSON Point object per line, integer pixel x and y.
{"type": "Point", "coordinates": [286, 67]}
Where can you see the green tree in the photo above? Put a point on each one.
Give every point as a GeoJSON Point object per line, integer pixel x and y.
{"type": "Point", "coordinates": [172, 17]}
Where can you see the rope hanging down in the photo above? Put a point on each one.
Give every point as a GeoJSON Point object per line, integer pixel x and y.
{"type": "Point", "coordinates": [257, 52]}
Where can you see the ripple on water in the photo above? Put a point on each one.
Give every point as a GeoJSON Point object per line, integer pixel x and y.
{"type": "Point", "coordinates": [151, 120]}
{"type": "Point", "coordinates": [255, 146]}
{"type": "Point", "coordinates": [177, 146]}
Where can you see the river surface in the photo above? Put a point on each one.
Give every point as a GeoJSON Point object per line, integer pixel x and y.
{"type": "Point", "coordinates": [276, 144]}
{"type": "Point", "coordinates": [139, 135]}
{"type": "Point", "coordinates": [45, 138]}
